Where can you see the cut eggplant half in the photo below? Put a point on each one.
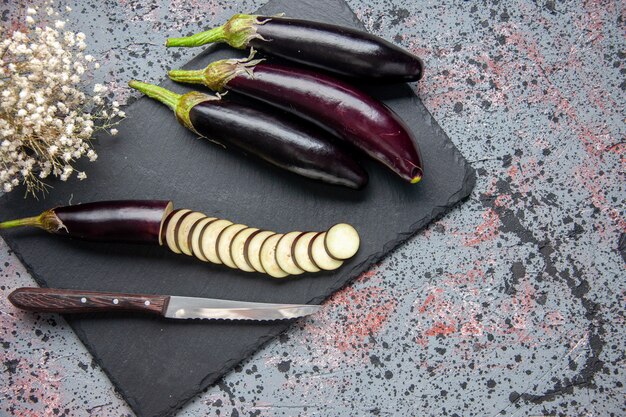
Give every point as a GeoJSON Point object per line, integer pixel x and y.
{"type": "Point", "coordinates": [196, 237]}
{"type": "Point", "coordinates": [238, 247]}
{"type": "Point", "coordinates": [284, 254]}
{"type": "Point", "coordinates": [183, 231]}
{"type": "Point", "coordinates": [253, 249]}
{"type": "Point", "coordinates": [224, 241]}
{"type": "Point", "coordinates": [170, 228]}
{"type": "Point", "coordinates": [268, 257]}
{"type": "Point", "coordinates": [342, 241]}
{"type": "Point", "coordinates": [301, 252]}
{"type": "Point", "coordinates": [193, 233]}
{"type": "Point", "coordinates": [209, 240]}
{"type": "Point", "coordinates": [320, 256]}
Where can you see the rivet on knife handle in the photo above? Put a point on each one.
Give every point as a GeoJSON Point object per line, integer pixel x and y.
{"type": "Point", "coordinates": [76, 301]}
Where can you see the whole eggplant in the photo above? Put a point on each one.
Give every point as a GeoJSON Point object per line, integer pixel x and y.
{"type": "Point", "coordinates": [337, 49]}
{"type": "Point", "coordinates": [296, 147]}
{"type": "Point", "coordinates": [332, 104]}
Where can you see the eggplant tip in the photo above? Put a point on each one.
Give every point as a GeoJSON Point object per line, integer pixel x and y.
{"type": "Point", "coordinates": [416, 175]}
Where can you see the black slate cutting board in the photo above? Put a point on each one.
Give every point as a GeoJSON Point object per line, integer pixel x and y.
{"type": "Point", "coordinates": [158, 365]}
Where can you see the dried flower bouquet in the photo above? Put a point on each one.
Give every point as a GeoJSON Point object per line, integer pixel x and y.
{"type": "Point", "coordinates": [46, 120]}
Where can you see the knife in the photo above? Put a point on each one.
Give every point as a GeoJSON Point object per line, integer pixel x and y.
{"type": "Point", "coordinates": [170, 306]}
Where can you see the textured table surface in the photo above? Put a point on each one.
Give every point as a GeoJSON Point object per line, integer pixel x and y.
{"type": "Point", "coordinates": [512, 304]}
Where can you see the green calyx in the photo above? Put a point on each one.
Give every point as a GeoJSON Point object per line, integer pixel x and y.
{"type": "Point", "coordinates": [237, 32]}
{"type": "Point", "coordinates": [217, 74]}
{"type": "Point", "coordinates": [181, 104]}
{"type": "Point", "coordinates": [48, 221]}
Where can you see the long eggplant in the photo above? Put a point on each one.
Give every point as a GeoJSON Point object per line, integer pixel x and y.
{"type": "Point", "coordinates": [334, 105]}
{"type": "Point", "coordinates": [337, 49]}
{"type": "Point", "coordinates": [296, 147]}
{"type": "Point", "coordinates": [209, 239]}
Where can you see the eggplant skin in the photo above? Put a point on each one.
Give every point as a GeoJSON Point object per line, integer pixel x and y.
{"type": "Point", "coordinates": [344, 51]}
{"type": "Point", "coordinates": [136, 221]}
{"type": "Point", "coordinates": [338, 107]}
{"type": "Point", "coordinates": [295, 146]}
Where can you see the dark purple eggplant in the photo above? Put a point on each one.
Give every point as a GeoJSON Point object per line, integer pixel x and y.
{"type": "Point", "coordinates": [337, 49]}
{"type": "Point", "coordinates": [192, 233]}
{"type": "Point", "coordinates": [137, 221]}
{"type": "Point", "coordinates": [296, 147]}
{"type": "Point", "coordinates": [332, 104]}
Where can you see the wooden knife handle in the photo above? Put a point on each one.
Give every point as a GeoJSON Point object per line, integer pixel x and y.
{"type": "Point", "coordinates": [77, 301]}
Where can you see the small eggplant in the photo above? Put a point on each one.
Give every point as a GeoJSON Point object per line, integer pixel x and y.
{"type": "Point", "coordinates": [296, 147]}
{"type": "Point", "coordinates": [209, 239]}
{"type": "Point", "coordinates": [332, 104]}
{"type": "Point", "coordinates": [337, 49]}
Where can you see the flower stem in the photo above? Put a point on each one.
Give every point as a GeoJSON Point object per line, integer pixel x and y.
{"type": "Point", "coordinates": [161, 94]}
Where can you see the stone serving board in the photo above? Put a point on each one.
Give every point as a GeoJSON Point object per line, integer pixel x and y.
{"type": "Point", "coordinates": [156, 364]}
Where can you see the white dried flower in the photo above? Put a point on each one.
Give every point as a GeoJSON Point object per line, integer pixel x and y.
{"type": "Point", "coordinates": [46, 121]}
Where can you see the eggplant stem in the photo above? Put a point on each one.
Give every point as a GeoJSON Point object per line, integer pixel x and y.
{"type": "Point", "coordinates": [48, 221]}
{"type": "Point", "coordinates": [187, 76]}
{"type": "Point", "coordinates": [27, 221]}
{"type": "Point", "coordinates": [217, 74]}
{"type": "Point", "coordinates": [181, 104]}
{"type": "Point", "coordinates": [237, 32]}
{"type": "Point", "coordinates": [210, 36]}
{"type": "Point", "coordinates": [167, 97]}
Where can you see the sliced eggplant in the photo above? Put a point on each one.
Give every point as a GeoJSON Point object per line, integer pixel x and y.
{"type": "Point", "coordinates": [166, 212]}
{"type": "Point", "coordinates": [301, 255]}
{"type": "Point", "coordinates": [224, 241]}
{"type": "Point", "coordinates": [320, 256]}
{"type": "Point", "coordinates": [238, 246]}
{"type": "Point", "coordinates": [342, 241]}
{"type": "Point", "coordinates": [209, 240]}
{"type": "Point", "coordinates": [196, 237]}
{"type": "Point", "coordinates": [253, 249]}
{"type": "Point", "coordinates": [183, 231]}
{"type": "Point", "coordinates": [268, 257]}
{"type": "Point", "coordinates": [170, 228]}
{"type": "Point", "coordinates": [284, 254]}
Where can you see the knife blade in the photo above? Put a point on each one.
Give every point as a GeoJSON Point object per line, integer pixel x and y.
{"type": "Point", "coordinates": [171, 306]}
